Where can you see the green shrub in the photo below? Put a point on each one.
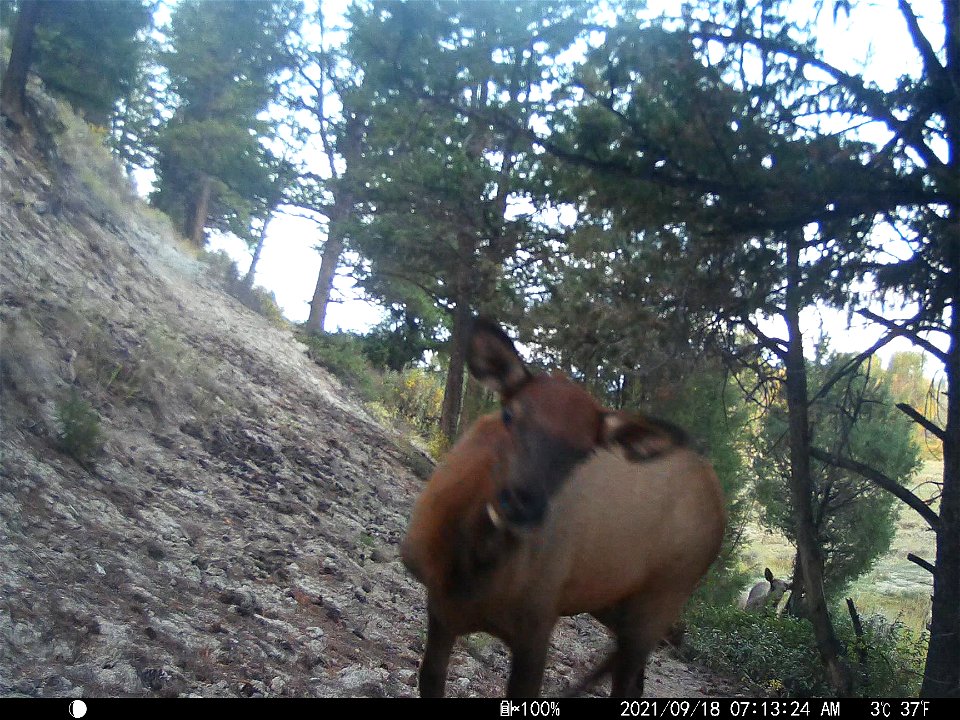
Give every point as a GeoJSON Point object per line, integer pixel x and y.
{"type": "Point", "coordinates": [221, 267]}
{"type": "Point", "coordinates": [413, 396]}
{"type": "Point", "coordinates": [261, 301]}
{"type": "Point", "coordinates": [417, 396]}
{"type": "Point", "coordinates": [342, 354]}
{"type": "Point", "coordinates": [888, 660]}
{"type": "Point", "coordinates": [779, 655]}
{"type": "Point", "coordinates": [775, 653]}
{"type": "Point", "coordinates": [79, 435]}
{"type": "Point", "coordinates": [265, 303]}
{"type": "Point", "coordinates": [438, 444]}
{"type": "Point", "coordinates": [224, 271]}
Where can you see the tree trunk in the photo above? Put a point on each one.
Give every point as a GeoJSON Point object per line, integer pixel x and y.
{"type": "Point", "coordinates": [795, 605]}
{"type": "Point", "coordinates": [858, 631]}
{"type": "Point", "coordinates": [801, 484]}
{"type": "Point", "coordinates": [329, 260]}
{"type": "Point", "coordinates": [197, 220]}
{"type": "Point", "coordinates": [349, 144]}
{"type": "Point", "coordinates": [941, 675]}
{"type": "Point", "coordinates": [13, 93]}
{"type": "Point", "coordinates": [453, 391]}
{"type": "Point", "coordinates": [472, 406]}
{"type": "Point", "coordinates": [251, 273]}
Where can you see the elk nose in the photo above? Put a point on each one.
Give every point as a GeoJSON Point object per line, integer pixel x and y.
{"type": "Point", "coordinates": [522, 506]}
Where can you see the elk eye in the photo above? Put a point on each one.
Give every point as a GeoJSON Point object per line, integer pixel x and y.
{"type": "Point", "coordinates": [507, 416]}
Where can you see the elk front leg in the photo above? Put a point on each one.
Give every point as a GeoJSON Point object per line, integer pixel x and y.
{"type": "Point", "coordinates": [529, 658]}
{"type": "Point", "coordinates": [436, 658]}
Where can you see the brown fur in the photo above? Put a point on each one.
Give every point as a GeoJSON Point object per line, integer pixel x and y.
{"type": "Point", "coordinates": [625, 521]}
{"type": "Point", "coordinates": [625, 541]}
{"type": "Point", "coordinates": [766, 594]}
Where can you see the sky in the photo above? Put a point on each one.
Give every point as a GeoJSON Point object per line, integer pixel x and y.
{"type": "Point", "coordinates": [873, 36]}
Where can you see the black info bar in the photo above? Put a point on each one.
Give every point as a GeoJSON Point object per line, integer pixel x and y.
{"type": "Point", "coordinates": [489, 709]}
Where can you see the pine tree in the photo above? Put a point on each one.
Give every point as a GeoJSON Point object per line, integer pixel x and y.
{"type": "Point", "coordinates": [223, 63]}
{"type": "Point", "coordinates": [90, 53]}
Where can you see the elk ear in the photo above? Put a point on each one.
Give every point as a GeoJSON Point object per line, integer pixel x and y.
{"type": "Point", "coordinates": [493, 360]}
{"type": "Point", "coordinates": [642, 438]}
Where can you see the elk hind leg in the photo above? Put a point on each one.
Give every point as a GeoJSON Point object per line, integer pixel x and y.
{"type": "Point", "coordinates": [639, 627]}
{"type": "Point", "coordinates": [630, 664]}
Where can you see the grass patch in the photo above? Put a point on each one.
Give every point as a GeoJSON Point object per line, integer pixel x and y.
{"type": "Point", "coordinates": [79, 433]}
{"type": "Point", "coordinates": [897, 588]}
{"type": "Point", "coordinates": [89, 177]}
{"type": "Point", "coordinates": [910, 609]}
{"type": "Point", "coordinates": [480, 646]}
{"type": "Point", "coordinates": [148, 368]}
{"type": "Point", "coordinates": [766, 549]}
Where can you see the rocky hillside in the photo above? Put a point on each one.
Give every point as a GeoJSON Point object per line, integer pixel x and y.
{"type": "Point", "coordinates": [188, 504]}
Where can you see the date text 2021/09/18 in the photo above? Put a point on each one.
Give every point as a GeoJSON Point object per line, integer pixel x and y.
{"type": "Point", "coordinates": [719, 708]}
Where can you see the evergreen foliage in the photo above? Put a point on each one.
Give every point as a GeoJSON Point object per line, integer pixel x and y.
{"type": "Point", "coordinates": [854, 519]}
{"type": "Point", "coordinates": [709, 172]}
{"type": "Point", "coordinates": [223, 62]}
{"type": "Point", "coordinates": [91, 53]}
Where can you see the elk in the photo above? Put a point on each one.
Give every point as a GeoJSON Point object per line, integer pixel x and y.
{"type": "Point", "coordinates": [557, 506]}
{"type": "Point", "coordinates": [766, 594]}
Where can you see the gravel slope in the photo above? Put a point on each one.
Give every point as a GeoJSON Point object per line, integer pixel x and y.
{"type": "Point", "coordinates": [237, 534]}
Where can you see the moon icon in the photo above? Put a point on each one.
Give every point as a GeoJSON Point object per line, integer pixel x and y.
{"type": "Point", "coordinates": [78, 708]}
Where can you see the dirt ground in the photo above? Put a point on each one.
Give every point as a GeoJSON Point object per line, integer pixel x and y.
{"type": "Point", "coordinates": [236, 534]}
